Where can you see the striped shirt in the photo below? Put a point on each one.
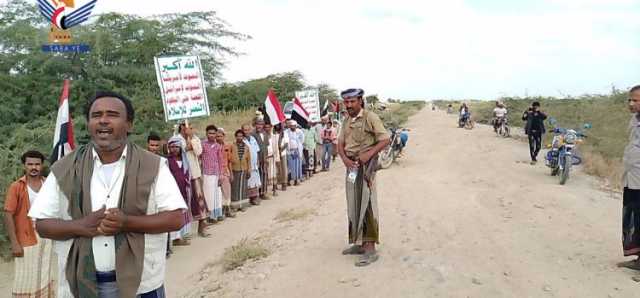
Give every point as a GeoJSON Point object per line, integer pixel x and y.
{"type": "Point", "coordinates": [212, 158]}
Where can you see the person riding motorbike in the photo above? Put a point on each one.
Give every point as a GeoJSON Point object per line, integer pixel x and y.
{"type": "Point", "coordinates": [465, 114]}
{"type": "Point", "coordinates": [499, 114]}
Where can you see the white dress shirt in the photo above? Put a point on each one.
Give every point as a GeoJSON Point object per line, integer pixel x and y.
{"type": "Point", "coordinates": [106, 183]}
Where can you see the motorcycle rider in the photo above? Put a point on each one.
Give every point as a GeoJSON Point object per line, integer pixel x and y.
{"type": "Point", "coordinates": [534, 128]}
{"type": "Point", "coordinates": [464, 114]}
{"type": "Point", "coordinates": [499, 113]}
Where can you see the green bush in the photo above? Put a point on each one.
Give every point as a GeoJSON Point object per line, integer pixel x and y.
{"type": "Point", "coordinates": [397, 114]}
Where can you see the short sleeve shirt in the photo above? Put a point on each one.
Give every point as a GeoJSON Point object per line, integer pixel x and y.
{"type": "Point", "coordinates": [362, 132]}
{"type": "Point", "coordinates": [17, 203]}
{"type": "Point", "coordinates": [500, 112]}
{"type": "Point", "coordinates": [212, 158]}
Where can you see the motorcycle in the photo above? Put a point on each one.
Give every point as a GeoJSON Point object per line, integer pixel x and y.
{"type": "Point", "coordinates": [502, 127]}
{"type": "Point", "coordinates": [390, 153]}
{"type": "Point", "coordinates": [465, 121]}
{"type": "Point", "coordinates": [562, 155]}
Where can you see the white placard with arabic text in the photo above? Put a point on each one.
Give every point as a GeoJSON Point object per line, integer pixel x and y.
{"type": "Point", "coordinates": [310, 100]}
{"type": "Point", "coordinates": [182, 86]}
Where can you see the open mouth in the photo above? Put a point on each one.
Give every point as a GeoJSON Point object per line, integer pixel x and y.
{"type": "Point", "coordinates": [104, 132]}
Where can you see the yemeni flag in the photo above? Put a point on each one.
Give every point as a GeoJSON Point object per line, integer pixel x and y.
{"type": "Point", "coordinates": [63, 142]}
{"type": "Point", "coordinates": [325, 108]}
{"type": "Point", "coordinates": [299, 114]}
{"type": "Point", "coordinates": [273, 109]}
{"type": "Point", "coordinates": [335, 106]}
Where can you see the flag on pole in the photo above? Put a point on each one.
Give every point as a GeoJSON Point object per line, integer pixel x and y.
{"type": "Point", "coordinates": [325, 108]}
{"type": "Point", "coordinates": [299, 114]}
{"type": "Point", "coordinates": [335, 106]}
{"type": "Point", "coordinates": [63, 142]}
{"type": "Point", "coordinates": [273, 109]}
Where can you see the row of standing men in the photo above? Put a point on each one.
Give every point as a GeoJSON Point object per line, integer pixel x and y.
{"type": "Point", "coordinates": [218, 179]}
{"type": "Point", "coordinates": [106, 208]}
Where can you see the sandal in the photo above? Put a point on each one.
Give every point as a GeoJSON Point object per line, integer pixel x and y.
{"type": "Point", "coordinates": [633, 265]}
{"type": "Point", "coordinates": [203, 235]}
{"type": "Point", "coordinates": [367, 258]}
{"type": "Point", "coordinates": [181, 242]}
{"type": "Point", "coordinates": [353, 250]}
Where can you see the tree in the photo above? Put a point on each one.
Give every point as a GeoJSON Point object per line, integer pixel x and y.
{"type": "Point", "coordinates": [253, 93]}
{"type": "Point", "coordinates": [327, 93]}
{"type": "Point", "coordinates": [121, 60]}
{"type": "Point", "coordinates": [372, 99]}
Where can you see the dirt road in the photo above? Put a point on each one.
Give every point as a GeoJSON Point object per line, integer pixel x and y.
{"type": "Point", "coordinates": [462, 215]}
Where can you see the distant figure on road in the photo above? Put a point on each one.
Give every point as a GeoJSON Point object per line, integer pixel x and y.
{"type": "Point", "coordinates": [362, 137]}
{"type": "Point", "coordinates": [328, 136]}
{"type": "Point", "coordinates": [534, 128]}
{"type": "Point", "coordinates": [631, 184]}
{"type": "Point", "coordinates": [499, 112]}
{"type": "Point", "coordinates": [464, 115]}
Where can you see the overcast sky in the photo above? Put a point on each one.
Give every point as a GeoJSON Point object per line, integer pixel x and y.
{"type": "Point", "coordinates": [431, 49]}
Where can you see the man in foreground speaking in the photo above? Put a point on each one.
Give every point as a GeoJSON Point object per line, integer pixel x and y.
{"type": "Point", "coordinates": [111, 204]}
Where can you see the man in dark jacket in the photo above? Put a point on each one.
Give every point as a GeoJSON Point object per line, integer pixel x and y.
{"type": "Point", "coordinates": [534, 128]}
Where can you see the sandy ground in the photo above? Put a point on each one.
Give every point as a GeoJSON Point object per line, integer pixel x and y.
{"type": "Point", "coordinates": [462, 215]}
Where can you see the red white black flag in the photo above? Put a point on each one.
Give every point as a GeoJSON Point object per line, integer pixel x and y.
{"type": "Point", "coordinates": [273, 109]}
{"type": "Point", "coordinates": [63, 142]}
{"type": "Point", "coordinates": [299, 114]}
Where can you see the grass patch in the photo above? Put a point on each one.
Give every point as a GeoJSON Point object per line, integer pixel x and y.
{"type": "Point", "coordinates": [245, 250]}
{"type": "Point", "coordinates": [397, 114]}
{"type": "Point", "coordinates": [609, 169]}
{"type": "Point", "coordinates": [293, 214]}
